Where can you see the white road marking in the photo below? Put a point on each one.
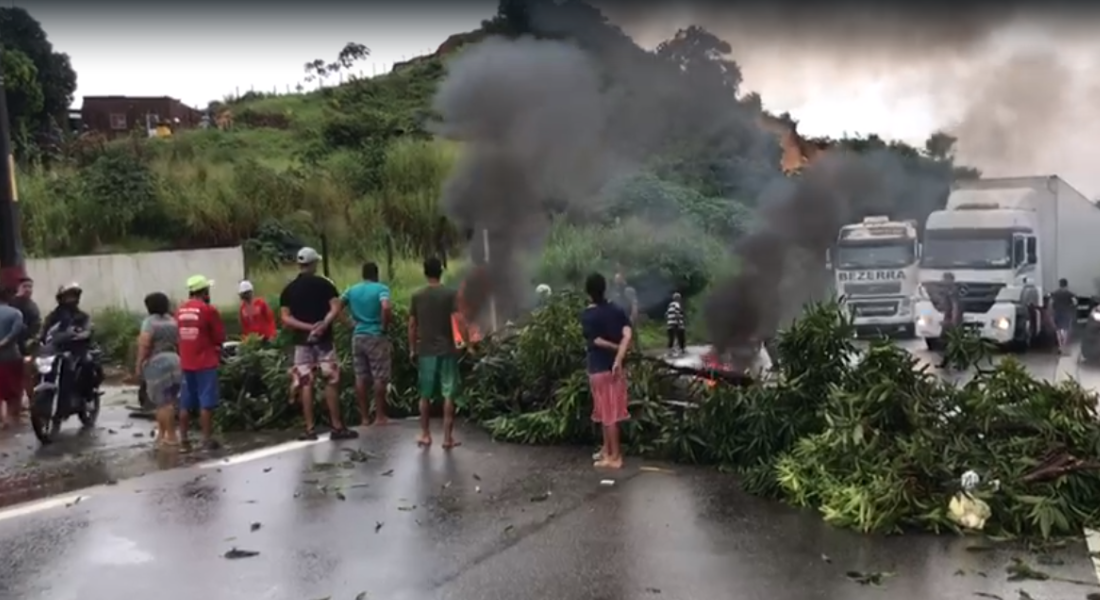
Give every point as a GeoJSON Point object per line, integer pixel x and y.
{"type": "Point", "coordinates": [29, 508]}
{"type": "Point", "coordinates": [1092, 540]}
{"type": "Point", "coordinates": [258, 454]}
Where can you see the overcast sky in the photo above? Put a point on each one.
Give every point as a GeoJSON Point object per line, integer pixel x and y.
{"type": "Point", "coordinates": [1042, 123]}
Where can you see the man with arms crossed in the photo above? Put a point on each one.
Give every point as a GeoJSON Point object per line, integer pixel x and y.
{"type": "Point", "coordinates": [368, 302]}
{"type": "Point", "coordinates": [432, 347]}
{"type": "Point", "coordinates": [308, 306]}
{"type": "Point", "coordinates": [201, 335]}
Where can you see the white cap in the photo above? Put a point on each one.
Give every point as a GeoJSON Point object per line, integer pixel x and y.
{"type": "Point", "coordinates": [245, 287]}
{"type": "Point", "coordinates": [308, 256]}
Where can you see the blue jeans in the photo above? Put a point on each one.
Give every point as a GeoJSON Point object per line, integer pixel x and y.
{"type": "Point", "coordinates": [199, 390]}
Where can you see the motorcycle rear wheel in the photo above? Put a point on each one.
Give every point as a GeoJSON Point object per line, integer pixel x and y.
{"type": "Point", "coordinates": [42, 420]}
{"type": "Point", "coordinates": [87, 415]}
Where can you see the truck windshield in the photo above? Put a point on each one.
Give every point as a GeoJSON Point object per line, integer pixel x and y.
{"type": "Point", "coordinates": [875, 255]}
{"type": "Point", "coordinates": [984, 250]}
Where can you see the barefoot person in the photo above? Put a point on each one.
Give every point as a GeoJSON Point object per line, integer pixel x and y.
{"type": "Point", "coordinates": [158, 365]}
{"type": "Point", "coordinates": [201, 335]}
{"type": "Point", "coordinates": [432, 348]}
{"type": "Point", "coordinates": [368, 302]}
{"type": "Point", "coordinates": [308, 306]}
{"type": "Point", "coordinates": [608, 333]}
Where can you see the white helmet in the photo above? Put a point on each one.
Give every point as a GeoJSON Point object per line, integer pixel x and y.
{"type": "Point", "coordinates": [542, 289]}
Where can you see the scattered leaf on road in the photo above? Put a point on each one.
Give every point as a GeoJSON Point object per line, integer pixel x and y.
{"type": "Point", "coordinates": [1048, 560]}
{"type": "Point", "coordinates": [477, 477]}
{"type": "Point", "coordinates": [477, 489]}
{"type": "Point", "coordinates": [447, 485]}
{"type": "Point", "coordinates": [361, 596]}
{"type": "Point", "coordinates": [960, 573]}
{"type": "Point", "coordinates": [378, 526]}
{"type": "Point", "coordinates": [407, 508]}
{"type": "Point", "coordinates": [1093, 596]}
{"type": "Point", "coordinates": [987, 595]}
{"type": "Point", "coordinates": [267, 470]}
{"type": "Point", "coordinates": [1021, 571]}
{"type": "Point", "coordinates": [388, 473]}
{"type": "Point", "coordinates": [341, 496]}
{"type": "Point", "coordinates": [872, 578]}
{"type": "Point", "coordinates": [112, 482]}
{"type": "Point", "coordinates": [825, 557]}
{"type": "Point", "coordinates": [236, 553]}
{"type": "Point", "coordinates": [356, 455]}
{"type": "Point", "coordinates": [541, 497]}
{"type": "Point", "coordinates": [256, 526]}
{"type": "Point", "coordinates": [653, 590]}
{"type": "Point", "coordinates": [74, 502]}
{"type": "Point", "coordinates": [509, 528]}
{"type": "Point", "coordinates": [323, 466]}
{"type": "Point", "coordinates": [1024, 595]}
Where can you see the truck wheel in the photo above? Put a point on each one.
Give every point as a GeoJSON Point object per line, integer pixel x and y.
{"type": "Point", "coordinates": [910, 332]}
{"type": "Point", "coordinates": [933, 344]}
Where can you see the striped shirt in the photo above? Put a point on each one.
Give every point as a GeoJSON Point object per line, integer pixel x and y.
{"type": "Point", "coordinates": [674, 315]}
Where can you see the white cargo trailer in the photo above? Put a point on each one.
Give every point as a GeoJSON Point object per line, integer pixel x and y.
{"type": "Point", "coordinates": [996, 234]}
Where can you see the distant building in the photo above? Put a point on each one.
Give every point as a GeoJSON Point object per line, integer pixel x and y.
{"type": "Point", "coordinates": [115, 116]}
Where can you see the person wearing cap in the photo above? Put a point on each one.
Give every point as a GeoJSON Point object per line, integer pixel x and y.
{"type": "Point", "coordinates": [308, 306]}
{"type": "Point", "coordinates": [201, 335]}
{"type": "Point", "coordinates": [255, 315]}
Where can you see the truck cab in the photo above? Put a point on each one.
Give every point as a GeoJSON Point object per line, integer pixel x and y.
{"type": "Point", "coordinates": [988, 240]}
{"type": "Point", "coordinates": [875, 264]}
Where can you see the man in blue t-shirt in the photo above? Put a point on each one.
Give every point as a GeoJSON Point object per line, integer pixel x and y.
{"type": "Point", "coordinates": [607, 333]}
{"type": "Point", "coordinates": [368, 302]}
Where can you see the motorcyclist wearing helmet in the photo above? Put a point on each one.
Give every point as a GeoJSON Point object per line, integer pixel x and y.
{"type": "Point", "coordinates": [67, 314]}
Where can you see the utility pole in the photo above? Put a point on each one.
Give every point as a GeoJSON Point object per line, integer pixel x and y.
{"type": "Point", "coordinates": [12, 267]}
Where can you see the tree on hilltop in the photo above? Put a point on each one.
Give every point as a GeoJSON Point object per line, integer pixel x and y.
{"type": "Point", "coordinates": [19, 31]}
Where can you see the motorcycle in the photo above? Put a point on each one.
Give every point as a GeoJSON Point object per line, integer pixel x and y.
{"type": "Point", "coordinates": [1090, 338]}
{"type": "Point", "coordinates": [65, 388]}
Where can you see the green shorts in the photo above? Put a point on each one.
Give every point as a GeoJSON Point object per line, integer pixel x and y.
{"type": "Point", "coordinates": [438, 377]}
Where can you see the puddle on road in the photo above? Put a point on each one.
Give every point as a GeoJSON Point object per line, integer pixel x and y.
{"type": "Point", "coordinates": [52, 473]}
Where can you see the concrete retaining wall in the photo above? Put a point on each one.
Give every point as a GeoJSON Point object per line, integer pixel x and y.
{"type": "Point", "coordinates": [123, 280]}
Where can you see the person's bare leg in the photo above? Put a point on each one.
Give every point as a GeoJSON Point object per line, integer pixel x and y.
{"type": "Point", "coordinates": [361, 399]}
{"type": "Point", "coordinates": [306, 392]}
{"type": "Point", "coordinates": [332, 401]}
{"type": "Point", "coordinates": [615, 461]}
{"type": "Point", "coordinates": [185, 425]}
{"type": "Point", "coordinates": [206, 423]}
{"type": "Point", "coordinates": [449, 425]}
{"type": "Point", "coordinates": [170, 436]}
{"type": "Point", "coordinates": [380, 389]}
{"type": "Point", "coordinates": [160, 426]}
{"type": "Point", "coordinates": [425, 438]}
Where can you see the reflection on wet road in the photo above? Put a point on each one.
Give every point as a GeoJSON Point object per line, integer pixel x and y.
{"type": "Point", "coordinates": [485, 522]}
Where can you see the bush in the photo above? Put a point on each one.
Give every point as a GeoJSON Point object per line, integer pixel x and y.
{"type": "Point", "coordinates": [869, 440]}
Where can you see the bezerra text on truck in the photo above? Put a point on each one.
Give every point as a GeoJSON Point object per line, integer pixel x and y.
{"type": "Point", "coordinates": [875, 262]}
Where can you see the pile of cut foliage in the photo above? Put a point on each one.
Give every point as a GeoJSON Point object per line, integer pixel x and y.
{"type": "Point", "coordinates": [868, 438]}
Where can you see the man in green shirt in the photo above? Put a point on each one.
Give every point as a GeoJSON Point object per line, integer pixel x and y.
{"type": "Point", "coordinates": [432, 347]}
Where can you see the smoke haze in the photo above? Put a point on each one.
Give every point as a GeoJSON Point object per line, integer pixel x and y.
{"type": "Point", "coordinates": [1015, 83]}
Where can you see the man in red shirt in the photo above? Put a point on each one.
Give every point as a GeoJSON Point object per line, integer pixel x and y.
{"type": "Point", "coordinates": [256, 316]}
{"type": "Point", "coordinates": [201, 335]}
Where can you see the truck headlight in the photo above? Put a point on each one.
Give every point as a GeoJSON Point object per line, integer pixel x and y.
{"type": "Point", "coordinates": [923, 321]}
{"type": "Point", "coordinates": [1095, 315]}
{"type": "Point", "coordinates": [1002, 323]}
{"type": "Point", "coordinates": [44, 364]}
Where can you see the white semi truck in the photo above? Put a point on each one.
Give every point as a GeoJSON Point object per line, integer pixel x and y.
{"type": "Point", "coordinates": [876, 264]}
{"type": "Point", "coordinates": [994, 236]}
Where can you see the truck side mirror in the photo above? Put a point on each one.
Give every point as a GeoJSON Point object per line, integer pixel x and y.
{"type": "Point", "coordinates": [1032, 251]}
{"type": "Point", "coordinates": [920, 249]}
{"type": "Point", "coordinates": [828, 259]}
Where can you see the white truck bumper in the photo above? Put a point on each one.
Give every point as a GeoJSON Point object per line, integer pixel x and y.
{"type": "Point", "coordinates": [897, 313]}
{"type": "Point", "coordinates": [997, 325]}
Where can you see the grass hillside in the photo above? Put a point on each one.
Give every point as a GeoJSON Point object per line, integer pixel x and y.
{"type": "Point", "coordinates": [351, 167]}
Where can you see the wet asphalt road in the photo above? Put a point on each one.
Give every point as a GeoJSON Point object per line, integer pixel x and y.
{"type": "Point", "coordinates": [473, 524]}
{"type": "Point", "coordinates": [484, 522]}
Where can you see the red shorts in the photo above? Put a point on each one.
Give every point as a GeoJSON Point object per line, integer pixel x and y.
{"type": "Point", "coordinates": [609, 402]}
{"type": "Point", "coordinates": [13, 379]}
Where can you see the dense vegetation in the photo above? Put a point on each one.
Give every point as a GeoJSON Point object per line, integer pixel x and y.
{"type": "Point", "coordinates": [355, 163]}
{"type": "Point", "coordinates": [869, 440]}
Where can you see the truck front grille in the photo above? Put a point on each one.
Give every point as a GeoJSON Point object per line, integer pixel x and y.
{"type": "Point", "coordinates": [872, 289]}
{"type": "Point", "coordinates": [874, 309]}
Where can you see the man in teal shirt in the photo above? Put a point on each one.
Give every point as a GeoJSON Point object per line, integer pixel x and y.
{"type": "Point", "coordinates": [368, 302]}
